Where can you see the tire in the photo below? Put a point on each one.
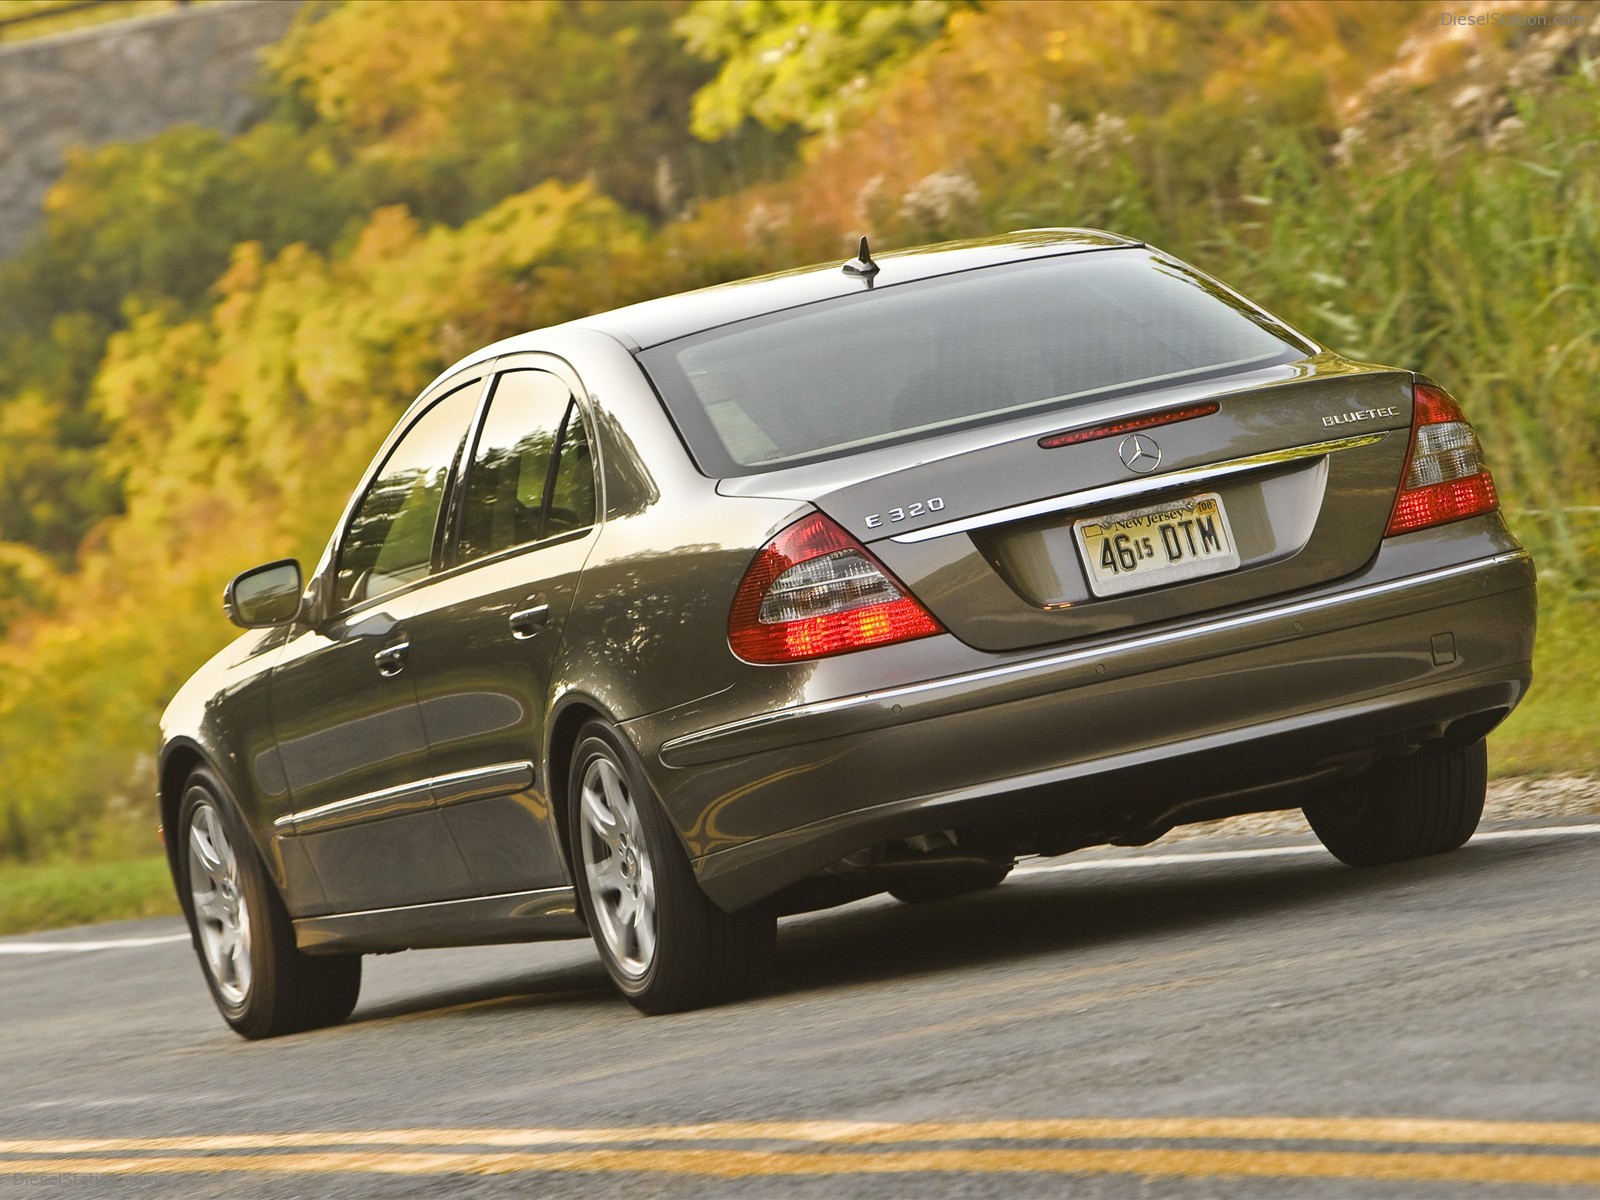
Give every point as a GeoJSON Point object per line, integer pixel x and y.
{"type": "Point", "coordinates": [1403, 808]}
{"type": "Point", "coordinates": [667, 947]}
{"type": "Point", "coordinates": [263, 986]}
{"type": "Point", "coordinates": [948, 885]}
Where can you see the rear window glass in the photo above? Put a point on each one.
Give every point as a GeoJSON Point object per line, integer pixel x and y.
{"type": "Point", "coordinates": [916, 359]}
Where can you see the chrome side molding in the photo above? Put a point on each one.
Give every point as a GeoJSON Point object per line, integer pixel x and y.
{"type": "Point", "coordinates": [455, 787]}
{"type": "Point", "coordinates": [547, 914]}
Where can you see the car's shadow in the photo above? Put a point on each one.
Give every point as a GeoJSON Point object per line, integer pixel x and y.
{"type": "Point", "coordinates": [1055, 914]}
{"type": "Point", "coordinates": [582, 983]}
{"type": "Point", "coordinates": [1033, 914]}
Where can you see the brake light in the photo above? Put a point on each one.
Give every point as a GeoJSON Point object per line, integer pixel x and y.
{"type": "Point", "coordinates": [1094, 433]}
{"type": "Point", "coordinates": [1446, 478]}
{"type": "Point", "coordinates": [812, 591]}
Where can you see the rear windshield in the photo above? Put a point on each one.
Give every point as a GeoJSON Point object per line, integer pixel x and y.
{"type": "Point", "coordinates": [915, 359]}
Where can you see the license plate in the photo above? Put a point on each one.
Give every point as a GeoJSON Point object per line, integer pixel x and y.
{"type": "Point", "coordinates": [1165, 543]}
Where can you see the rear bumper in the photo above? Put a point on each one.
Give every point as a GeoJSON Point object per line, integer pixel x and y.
{"type": "Point", "coordinates": [1126, 728]}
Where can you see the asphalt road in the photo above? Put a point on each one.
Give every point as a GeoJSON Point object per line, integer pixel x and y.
{"type": "Point", "coordinates": [1241, 1018]}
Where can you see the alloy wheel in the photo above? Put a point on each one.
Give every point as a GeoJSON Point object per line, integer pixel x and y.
{"type": "Point", "coordinates": [221, 913]}
{"type": "Point", "coordinates": [617, 868]}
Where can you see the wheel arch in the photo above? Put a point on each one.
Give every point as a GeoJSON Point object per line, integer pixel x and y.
{"type": "Point", "coordinates": [177, 764]}
{"type": "Point", "coordinates": [573, 712]}
{"type": "Point", "coordinates": [180, 758]}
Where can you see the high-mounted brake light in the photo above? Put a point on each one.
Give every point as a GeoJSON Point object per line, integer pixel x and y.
{"type": "Point", "coordinates": [812, 591]}
{"type": "Point", "coordinates": [1446, 478]}
{"type": "Point", "coordinates": [1168, 416]}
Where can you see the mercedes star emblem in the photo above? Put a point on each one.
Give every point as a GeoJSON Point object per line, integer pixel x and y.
{"type": "Point", "coordinates": [1139, 453]}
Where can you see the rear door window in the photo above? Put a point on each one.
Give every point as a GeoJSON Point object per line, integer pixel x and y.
{"type": "Point", "coordinates": [531, 475]}
{"type": "Point", "coordinates": [921, 358]}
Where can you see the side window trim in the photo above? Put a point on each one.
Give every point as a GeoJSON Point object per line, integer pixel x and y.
{"type": "Point", "coordinates": [452, 487]}
{"type": "Point", "coordinates": [554, 469]}
{"type": "Point", "coordinates": [461, 475]}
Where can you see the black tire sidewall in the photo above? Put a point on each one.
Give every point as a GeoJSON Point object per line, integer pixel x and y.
{"type": "Point", "coordinates": [667, 859]}
{"type": "Point", "coordinates": [913, 892]}
{"type": "Point", "coordinates": [703, 955]}
{"type": "Point", "coordinates": [1427, 803]}
{"type": "Point", "coordinates": [289, 991]}
{"type": "Point", "coordinates": [202, 786]}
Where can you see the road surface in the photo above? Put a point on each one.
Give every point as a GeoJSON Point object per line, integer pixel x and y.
{"type": "Point", "coordinates": [1239, 1017]}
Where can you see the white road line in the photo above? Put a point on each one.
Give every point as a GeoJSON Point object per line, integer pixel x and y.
{"type": "Point", "coordinates": [86, 947]}
{"type": "Point", "coordinates": [1089, 864]}
{"type": "Point", "coordinates": [1205, 856]}
{"type": "Point", "coordinates": [1513, 835]}
{"type": "Point", "coordinates": [1156, 860]}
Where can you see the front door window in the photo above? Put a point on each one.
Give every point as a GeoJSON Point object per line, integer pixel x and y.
{"type": "Point", "coordinates": [390, 539]}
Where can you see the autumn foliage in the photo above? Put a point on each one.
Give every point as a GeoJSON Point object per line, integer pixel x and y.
{"type": "Point", "coordinates": [200, 352]}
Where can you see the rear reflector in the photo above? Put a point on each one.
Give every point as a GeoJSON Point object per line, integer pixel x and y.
{"type": "Point", "coordinates": [812, 591]}
{"type": "Point", "coordinates": [1446, 478]}
{"type": "Point", "coordinates": [1093, 433]}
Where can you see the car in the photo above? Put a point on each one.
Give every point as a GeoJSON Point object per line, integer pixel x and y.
{"type": "Point", "coordinates": [664, 623]}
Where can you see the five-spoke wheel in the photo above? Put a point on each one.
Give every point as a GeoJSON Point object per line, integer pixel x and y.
{"type": "Point", "coordinates": [221, 912]}
{"type": "Point", "coordinates": [666, 946]}
{"type": "Point", "coordinates": [617, 868]}
{"type": "Point", "coordinates": [262, 983]}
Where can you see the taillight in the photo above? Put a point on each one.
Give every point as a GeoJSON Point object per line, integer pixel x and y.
{"type": "Point", "coordinates": [813, 590]}
{"type": "Point", "coordinates": [1446, 478]}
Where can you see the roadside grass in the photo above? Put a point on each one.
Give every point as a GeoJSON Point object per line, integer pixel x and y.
{"type": "Point", "coordinates": [1556, 730]}
{"type": "Point", "coordinates": [55, 895]}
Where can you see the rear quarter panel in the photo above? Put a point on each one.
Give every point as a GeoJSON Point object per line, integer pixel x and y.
{"type": "Point", "coordinates": [649, 627]}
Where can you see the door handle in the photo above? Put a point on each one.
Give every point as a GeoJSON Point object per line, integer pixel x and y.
{"type": "Point", "coordinates": [391, 659]}
{"type": "Point", "coordinates": [530, 618]}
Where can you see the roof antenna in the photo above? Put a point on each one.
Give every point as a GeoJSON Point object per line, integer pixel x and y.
{"type": "Point", "coordinates": [862, 263]}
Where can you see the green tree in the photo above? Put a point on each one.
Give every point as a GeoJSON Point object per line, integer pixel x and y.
{"type": "Point", "coordinates": [801, 62]}
{"type": "Point", "coordinates": [159, 218]}
{"type": "Point", "coordinates": [137, 225]}
{"type": "Point", "coordinates": [457, 105]}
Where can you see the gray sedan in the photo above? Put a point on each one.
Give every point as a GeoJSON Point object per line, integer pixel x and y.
{"type": "Point", "coordinates": [658, 625]}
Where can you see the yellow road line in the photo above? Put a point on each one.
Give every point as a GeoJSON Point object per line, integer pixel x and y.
{"type": "Point", "coordinates": [1398, 1131]}
{"type": "Point", "coordinates": [745, 1164]}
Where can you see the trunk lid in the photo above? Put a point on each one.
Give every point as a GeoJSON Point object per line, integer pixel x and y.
{"type": "Point", "coordinates": [1266, 482]}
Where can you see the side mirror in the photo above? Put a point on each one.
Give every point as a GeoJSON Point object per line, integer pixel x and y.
{"type": "Point", "coordinates": [264, 596]}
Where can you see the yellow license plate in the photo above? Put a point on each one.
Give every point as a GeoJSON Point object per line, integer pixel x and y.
{"type": "Point", "coordinates": [1150, 547]}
